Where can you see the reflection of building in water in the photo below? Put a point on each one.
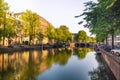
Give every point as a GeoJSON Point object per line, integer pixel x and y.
{"type": "Point", "coordinates": [35, 56]}
{"type": "Point", "coordinates": [19, 63]}
{"type": "Point", "coordinates": [43, 65]}
{"type": "Point", "coordinates": [24, 57]}
{"type": "Point", "coordinates": [44, 54]}
{"type": "Point", "coordinates": [3, 61]}
{"type": "Point", "coordinates": [0, 62]}
{"type": "Point", "coordinates": [13, 60]}
{"type": "Point", "coordinates": [52, 52]}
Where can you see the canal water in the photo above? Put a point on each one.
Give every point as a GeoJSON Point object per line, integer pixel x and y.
{"type": "Point", "coordinates": [54, 64]}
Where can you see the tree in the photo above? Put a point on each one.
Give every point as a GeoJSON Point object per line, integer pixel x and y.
{"type": "Point", "coordinates": [82, 36]}
{"type": "Point", "coordinates": [1, 32]}
{"type": "Point", "coordinates": [63, 34]}
{"type": "Point", "coordinates": [51, 33]}
{"type": "Point", "coordinates": [58, 35]}
{"type": "Point", "coordinates": [100, 18]}
{"type": "Point", "coordinates": [114, 19]}
{"type": "Point", "coordinates": [10, 29]}
{"type": "Point", "coordinates": [40, 37]}
{"type": "Point", "coordinates": [31, 23]}
{"type": "Point", "coordinates": [93, 39]}
{"type": "Point", "coordinates": [19, 29]}
{"type": "Point", "coordinates": [107, 19]}
{"type": "Point", "coordinates": [67, 34]}
{"type": "Point", "coordinates": [3, 11]}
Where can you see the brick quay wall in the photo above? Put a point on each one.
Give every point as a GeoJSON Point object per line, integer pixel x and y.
{"type": "Point", "coordinates": [113, 63]}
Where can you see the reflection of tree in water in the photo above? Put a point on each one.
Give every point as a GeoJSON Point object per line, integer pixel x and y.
{"type": "Point", "coordinates": [32, 69]}
{"type": "Point", "coordinates": [62, 56]}
{"type": "Point", "coordinates": [7, 74]}
{"type": "Point", "coordinates": [82, 52]}
{"type": "Point", "coordinates": [29, 71]}
{"type": "Point", "coordinates": [28, 65]}
{"type": "Point", "coordinates": [7, 71]}
{"type": "Point", "coordinates": [102, 72]}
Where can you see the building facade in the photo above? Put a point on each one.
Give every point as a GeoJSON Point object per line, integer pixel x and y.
{"type": "Point", "coordinates": [116, 41]}
{"type": "Point", "coordinates": [21, 35]}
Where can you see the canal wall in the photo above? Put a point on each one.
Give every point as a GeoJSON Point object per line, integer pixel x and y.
{"type": "Point", "coordinates": [113, 63]}
{"type": "Point", "coordinates": [18, 48]}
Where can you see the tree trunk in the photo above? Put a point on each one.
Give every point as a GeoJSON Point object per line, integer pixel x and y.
{"type": "Point", "coordinates": [106, 41]}
{"type": "Point", "coordinates": [2, 62]}
{"type": "Point", "coordinates": [2, 75]}
{"type": "Point", "coordinates": [30, 56]}
{"type": "Point", "coordinates": [4, 36]}
{"type": "Point", "coordinates": [4, 29]}
{"type": "Point", "coordinates": [30, 40]}
{"type": "Point", "coordinates": [112, 33]}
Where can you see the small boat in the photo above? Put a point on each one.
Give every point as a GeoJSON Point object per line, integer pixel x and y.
{"type": "Point", "coordinates": [98, 52]}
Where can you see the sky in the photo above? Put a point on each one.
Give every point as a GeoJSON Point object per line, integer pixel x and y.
{"type": "Point", "coordinates": [57, 12]}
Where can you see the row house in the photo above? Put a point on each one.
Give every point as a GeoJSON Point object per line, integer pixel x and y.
{"type": "Point", "coordinates": [20, 38]}
{"type": "Point", "coordinates": [116, 41]}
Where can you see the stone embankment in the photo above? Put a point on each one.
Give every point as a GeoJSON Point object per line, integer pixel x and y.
{"type": "Point", "coordinates": [18, 48]}
{"type": "Point", "coordinates": [113, 62]}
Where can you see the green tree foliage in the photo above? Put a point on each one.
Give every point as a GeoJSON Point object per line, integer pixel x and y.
{"type": "Point", "coordinates": [51, 33]}
{"type": "Point", "coordinates": [1, 32]}
{"type": "Point", "coordinates": [82, 36]}
{"type": "Point", "coordinates": [40, 37]}
{"type": "Point", "coordinates": [63, 34]}
{"type": "Point", "coordinates": [10, 28]}
{"type": "Point", "coordinates": [31, 22]}
{"type": "Point", "coordinates": [102, 18]}
{"type": "Point", "coordinates": [67, 35]}
{"type": "Point", "coordinates": [93, 39]}
{"type": "Point", "coordinates": [58, 34]}
{"type": "Point", "coordinates": [3, 11]}
{"type": "Point", "coordinates": [29, 26]}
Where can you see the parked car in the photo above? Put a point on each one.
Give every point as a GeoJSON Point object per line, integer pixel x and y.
{"type": "Point", "coordinates": [115, 51]}
{"type": "Point", "coordinates": [107, 48]}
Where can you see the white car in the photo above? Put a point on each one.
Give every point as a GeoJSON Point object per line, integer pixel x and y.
{"type": "Point", "coordinates": [116, 52]}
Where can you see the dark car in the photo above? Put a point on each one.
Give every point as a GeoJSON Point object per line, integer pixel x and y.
{"type": "Point", "coordinates": [107, 48]}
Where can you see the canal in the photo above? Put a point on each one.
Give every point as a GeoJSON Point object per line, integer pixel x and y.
{"type": "Point", "coordinates": [54, 64]}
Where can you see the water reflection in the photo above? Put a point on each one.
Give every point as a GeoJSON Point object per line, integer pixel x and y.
{"type": "Point", "coordinates": [100, 72]}
{"type": "Point", "coordinates": [28, 65]}
{"type": "Point", "coordinates": [82, 52]}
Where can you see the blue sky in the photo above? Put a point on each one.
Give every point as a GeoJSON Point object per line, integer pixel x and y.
{"type": "Point", "coordinates": [57, 12]}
